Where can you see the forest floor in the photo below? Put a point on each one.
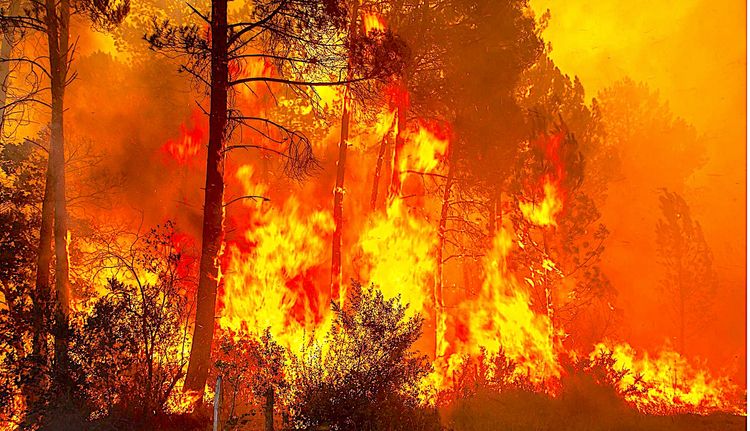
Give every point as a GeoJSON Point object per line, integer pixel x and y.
{"type": "Point", "coordinates": [525, 411]}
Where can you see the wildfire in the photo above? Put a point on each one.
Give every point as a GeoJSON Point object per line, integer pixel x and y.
{"type": "Point", "coordinates": [397, 255]}
{"type": "Point", "coordinates": [668, 383]}
{"type": "Point", "coordinates": [373, 23]}
{"type": "Point", "coordinates": [499, 320]}
{"type": "Point", "coordinates": [270, 274]}
{"type": "Point", "coordinates": [545, 212]}
{"type": "Point", "coordinates": [184, 149]}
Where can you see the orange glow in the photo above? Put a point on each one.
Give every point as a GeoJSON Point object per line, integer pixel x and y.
{"type": "Point", "coordinates": [269, 273]}
{"type": "Point", "coordinates": [668, 383]}
{"type": "Point", "coordinates": [373, 23]}
{"type": "Point", "coordinates": [499, 320]}
{"type": "Point", "coordinates": [544, 212]}
{"type": "Point", "coordinates": [184, 149]}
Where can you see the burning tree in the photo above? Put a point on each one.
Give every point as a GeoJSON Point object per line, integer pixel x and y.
{"type": "Point", "coordinates": [301, 41]}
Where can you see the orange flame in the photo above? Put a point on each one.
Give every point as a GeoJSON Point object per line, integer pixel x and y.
{"type": "Point", "coordinates": [544, 213]}
{"type": "Point", "coordinates": [186, 147]}
{"type": "Point", "coordinates": [373, 23]}
{"type": "Point", "coordinates": [668, 383]}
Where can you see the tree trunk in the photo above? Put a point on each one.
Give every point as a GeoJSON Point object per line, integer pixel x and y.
{"type": "Point", "coordinates": [58, 19]}
{"type": "Point", "coordinates": [338, 208]}
{"type": "Point", "coordinates": [437, 295]}
{"type": "Point", "coordinates": [41, 293]}
{"type": "Point", "coordinates": [379, 166]}
{"type": "Point", "coordinates": [268, 409]}
{"type": "Point", "coordinates": [495, 222]}
{"type": "Point", "coordinates": [395, 187]}
{"type": "Point", "coordinates": [337, 294]}
{"type": "Point", "coordinates": [213, 206]}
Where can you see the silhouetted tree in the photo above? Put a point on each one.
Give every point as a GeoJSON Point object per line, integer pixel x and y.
{"type": "Point", "coordinates": [690, 281]}
{"type": "Point", "coordinates": [22, 373]}
{"type": "Point", "coordinates": [130, 348]}
{"type": "Point", "coordinates": [52, 19]}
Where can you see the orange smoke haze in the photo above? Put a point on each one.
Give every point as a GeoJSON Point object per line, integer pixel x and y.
{"type": "Point", "coordinates": [693, 54]}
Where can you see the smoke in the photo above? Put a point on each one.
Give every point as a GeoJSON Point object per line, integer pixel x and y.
{"type": "Point", "coordinates": [693, 54]}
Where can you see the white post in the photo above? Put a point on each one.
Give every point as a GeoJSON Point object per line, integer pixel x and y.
{"type": "Point", "coordinates": [217, 400]}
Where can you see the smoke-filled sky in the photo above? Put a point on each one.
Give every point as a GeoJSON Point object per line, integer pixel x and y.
{"type": "Point", "coordinates": [694, 54]}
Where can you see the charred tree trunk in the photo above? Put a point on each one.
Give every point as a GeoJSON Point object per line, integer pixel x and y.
{"type": "Point", "coordinates": [395, 187]}
{"type": "Point", "coordinates": [58, 18]}
{"type": "Point", "coordinates": [495, 222]}
{"type": "Point", "coordinates": [338, 207]}
{"type": "Point", "coordinates": [338, 190]}
{"type": "Point", "coordinates": [379, 166]}
{"type": "Point", "coordinates": [268, 410]}
{"type": "Point", "coordinates": [437, 295]}
{"type": "Point", "coordinates": [213, 206]}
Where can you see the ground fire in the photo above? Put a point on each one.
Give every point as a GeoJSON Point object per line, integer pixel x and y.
{"type": "Point", "coordinates": [360, 215]}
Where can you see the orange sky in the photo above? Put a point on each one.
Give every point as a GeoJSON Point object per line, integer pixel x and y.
{"type": "Point", "coordinates": [694, 53]}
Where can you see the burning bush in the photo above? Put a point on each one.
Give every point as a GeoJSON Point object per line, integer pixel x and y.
{"type": "Point", "coordinates": [130, 344]}
{"type": "Point", "coordinates": [366, 376]}
{"type": "Point", "coordinates": [252, 371]}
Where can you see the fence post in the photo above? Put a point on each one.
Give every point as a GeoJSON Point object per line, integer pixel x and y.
{"type": "Point", "coordinates": [217, 401]}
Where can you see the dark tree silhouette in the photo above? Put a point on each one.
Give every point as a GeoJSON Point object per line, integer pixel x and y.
{"type": "Point", "coordinates": [52, 19]}
{"type": "Point", "coordinates": [690, 281]}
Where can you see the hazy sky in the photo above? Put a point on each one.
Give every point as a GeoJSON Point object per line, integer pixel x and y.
{"type": "Point", "coordinates": [694, 53]}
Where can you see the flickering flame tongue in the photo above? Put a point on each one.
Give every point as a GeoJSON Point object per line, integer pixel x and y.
{"type": "Point", "coordinates": [270, 273]}
{"type": "Point", "coordinates": [373, 23]}
{"type": "Point", "coordinates": [667, 383]}
{"type": "Point", "coordinates": [184, 148]}
{"type": "Point", "coordinates": [543, 213]}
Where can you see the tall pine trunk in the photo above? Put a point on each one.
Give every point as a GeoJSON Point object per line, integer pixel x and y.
{"type": "Point", "coordinates": [213, 206]}
{"type": "Point", "coordinates": [338, 207]}
{"type": "Point", "coordinates": [394, 189]}
{"type": "Point", "coordinates": [268, 409]}
{"type": "Point", "coordinates": [58, 19]}
{"type": "Point", "coordinates": [44, 258]}
{"type": "Point", "coordinates": [337, 294]}
{"type": "Point", "coordinates": [437, 295]}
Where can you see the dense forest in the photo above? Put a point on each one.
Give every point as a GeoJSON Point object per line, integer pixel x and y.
{"type": "Point", "coordinates": [348, 215]}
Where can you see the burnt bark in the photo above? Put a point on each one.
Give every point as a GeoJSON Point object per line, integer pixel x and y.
{"type": "Point", "coordinates": [442, 225]}
{"type": "Point", "coordinates": [268, 409]}
{"type": "Point", "coordinates": [379, 166]}
{"type": "Point", "coordinates": [395, 186]}
{"type": "Point", "coordinates": [338, 207]}
{"type": "Point", "coordinates": [213, 206]}
{"type": "Point", "coordinates": [338, 188]}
